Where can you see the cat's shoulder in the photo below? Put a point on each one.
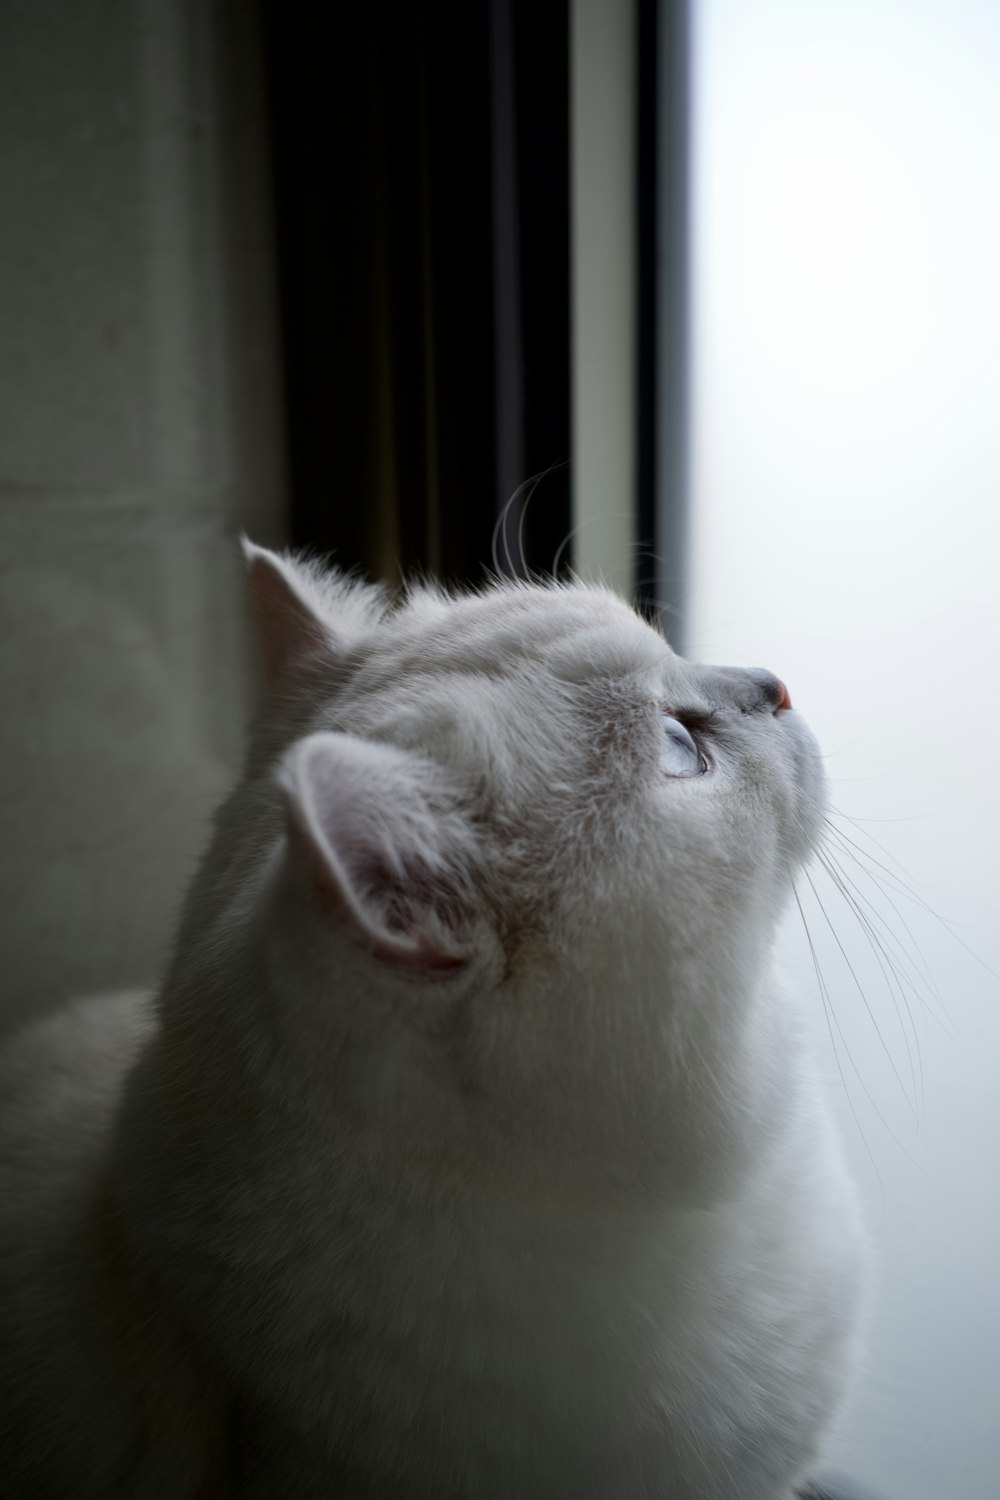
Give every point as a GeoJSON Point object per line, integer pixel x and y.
{"type": "Point", "coordinates": [89, 1362]}
{"type": "Point", "coordinates": [66, 1069]}
{"type": "Point", "coordinates": [60, 1081]}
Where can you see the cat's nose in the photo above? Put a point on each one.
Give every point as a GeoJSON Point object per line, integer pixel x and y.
{"type": "Point", "coordinates": [753, 688]}
{"type": "Point", "coordinates": [772, 689]}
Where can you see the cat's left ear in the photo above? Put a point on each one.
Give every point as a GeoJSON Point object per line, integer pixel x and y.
{"type": "Point", "coordinates": [385, 852]}
{"type": "Point", "coordinates": [290, 625]}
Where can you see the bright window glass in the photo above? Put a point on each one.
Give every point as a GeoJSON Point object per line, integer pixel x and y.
{"type": "Point", "coordinates": [845, 498]}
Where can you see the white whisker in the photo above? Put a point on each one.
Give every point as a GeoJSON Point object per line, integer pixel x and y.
{"type": "Point", "coordinates": [892, 980]}
{"type": "Point", "coordinates": [878, 1030]}
{"type": "Point", "coordinates": [830, 1017]}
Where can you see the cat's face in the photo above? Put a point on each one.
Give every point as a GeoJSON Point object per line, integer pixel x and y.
{"type": "Point", "coordinates": [512, 836]}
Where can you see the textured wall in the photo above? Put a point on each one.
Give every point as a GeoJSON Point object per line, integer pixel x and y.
{"type": "Point", "coordinates": [139, 429]}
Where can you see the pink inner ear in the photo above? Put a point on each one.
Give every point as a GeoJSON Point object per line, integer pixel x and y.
{"type": "Point", "coordinates": [288, 627]}
{"type": "Point", "coordinates": [417, 956]}
{"type": "Point", "coordinates": [340, 796]}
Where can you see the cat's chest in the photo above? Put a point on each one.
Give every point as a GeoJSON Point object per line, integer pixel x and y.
{"type": "Point", "coordinates": [492, 1338]}
{"type": "Point", "coordinates": [485, 1345]}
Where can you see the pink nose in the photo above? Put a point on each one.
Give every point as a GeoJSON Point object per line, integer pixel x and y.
{"type": "Point", "coordinates": [784, 700]}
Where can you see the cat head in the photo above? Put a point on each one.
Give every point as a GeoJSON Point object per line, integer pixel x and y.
{"type": "Point", "coordinates": [502, 853]}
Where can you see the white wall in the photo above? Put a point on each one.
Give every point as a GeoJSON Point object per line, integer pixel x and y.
{"type": "Point", "coordinates": [846, 533]}
{"type": "Point", "coordinates": [139, 426]}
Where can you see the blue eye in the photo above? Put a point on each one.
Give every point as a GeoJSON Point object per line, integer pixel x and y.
{"type": "Point", "coordinates": [679, 755]}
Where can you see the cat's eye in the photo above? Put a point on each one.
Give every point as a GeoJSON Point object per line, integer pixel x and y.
{"type": "Point", "coordinates": [679, 755]}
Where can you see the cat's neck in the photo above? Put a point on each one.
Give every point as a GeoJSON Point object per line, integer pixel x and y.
{"type": "Point", "coordinates": [232, 1148]}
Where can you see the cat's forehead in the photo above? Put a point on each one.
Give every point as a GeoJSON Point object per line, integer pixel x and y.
{"type": "Point", "coordinates": [510, 683]}
{"type": "Point", "coordinates": [573, 632]}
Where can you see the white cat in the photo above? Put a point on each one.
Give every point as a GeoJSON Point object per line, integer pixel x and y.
{"type": "Point", "coordinates": [469, 1150]}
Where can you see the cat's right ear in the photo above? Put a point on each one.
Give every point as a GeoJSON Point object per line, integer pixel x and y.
{"type": "Point", "coordinates": [290, 629]}
{"type": "Point", "coordinates": [385, 852]}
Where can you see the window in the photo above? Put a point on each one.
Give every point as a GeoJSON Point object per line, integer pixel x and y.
{"type": "Point", "coordinates": [843, 498]}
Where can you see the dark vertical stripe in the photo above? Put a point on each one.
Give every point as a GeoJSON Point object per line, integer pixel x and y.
{"type": "Point", "coordinates": [507, 310]}
{"type": "Point", "coordinates": [421, 182]}
{"type": "Point", "coordinates": [463, 326]}
{"type": "Point", "coordinates": [646, 311]}
{"type": "Point", "coordinates": [672, 403]}
{"type": "Point", "coordinates": [541, 57]}
{"type": "Point", "coordinates": [313, 261]}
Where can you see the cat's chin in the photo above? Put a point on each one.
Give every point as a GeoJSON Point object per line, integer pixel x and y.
{"type": "Point", "coordinates": [805, 827]}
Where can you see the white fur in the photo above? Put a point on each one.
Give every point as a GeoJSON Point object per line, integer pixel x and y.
{"type": "Point", "coordinates": [475, 1153]}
